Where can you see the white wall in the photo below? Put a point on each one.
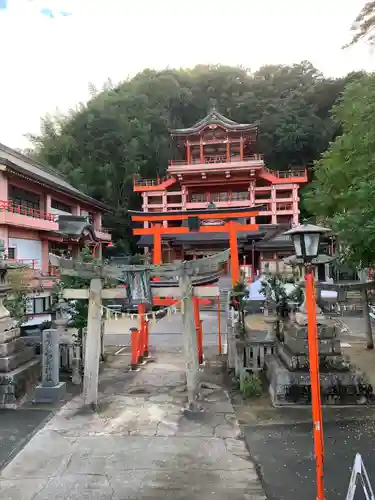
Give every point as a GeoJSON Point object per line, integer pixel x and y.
{"type": "Point", "coordinates": [56, 211]}
{"type": "Point", "coordinates": [27, 249]}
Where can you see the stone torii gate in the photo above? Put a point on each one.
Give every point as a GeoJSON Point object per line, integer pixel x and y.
{"type": "Point", "coordinates": [95, 294]}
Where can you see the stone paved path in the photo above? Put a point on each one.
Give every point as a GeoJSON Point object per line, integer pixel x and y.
{"type": "Point", "coordinates": [140, 445]}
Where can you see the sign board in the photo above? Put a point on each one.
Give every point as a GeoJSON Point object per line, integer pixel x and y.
{"type": "Point", "coordinates": [359, 472]}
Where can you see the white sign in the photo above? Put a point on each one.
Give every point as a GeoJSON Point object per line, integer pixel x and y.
{"type": "Point", "coordinates": [359, 471]}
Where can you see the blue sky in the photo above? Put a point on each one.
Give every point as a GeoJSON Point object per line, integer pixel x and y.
{"type": "Point", "coordinates": [48, 63]}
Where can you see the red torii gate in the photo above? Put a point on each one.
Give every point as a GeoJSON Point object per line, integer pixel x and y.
{"type": "Point", "coordinates": [230, 226]}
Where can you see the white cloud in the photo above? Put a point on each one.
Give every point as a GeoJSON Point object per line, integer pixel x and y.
{"type": "Point", "coordinates": [47, 63]}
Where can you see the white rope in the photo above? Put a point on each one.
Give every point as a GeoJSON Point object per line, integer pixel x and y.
{"type": "Point", "coordinates": [147, 316]}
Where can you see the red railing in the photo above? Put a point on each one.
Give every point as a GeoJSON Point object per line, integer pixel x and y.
{"type": "Point", "coordinates": [138, 181]}
{"type": "Point", "coordinates": [9, 206]}
{"type": "Point", "coordinates": [286, 174]}
{"type": "Point", "coordinates": [215, 159]}
{"type": "Point", "coordinates": [32, 263]}
{"type": "Point", "coordinates": [284, 206]}
{"type": "Point", "coordinates": [282, 174]}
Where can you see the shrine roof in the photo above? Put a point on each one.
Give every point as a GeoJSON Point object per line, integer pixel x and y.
{"type": "Point", "coordinates": [275, 238]}
{"type": "Point", "coordinates": [25, 166]}
{"type": "Point", "coordinates": [199, 238]}
{"type": "Point", "coordinates": [76, 227]}
{"type": "Point", "coordinates": [215, 118]}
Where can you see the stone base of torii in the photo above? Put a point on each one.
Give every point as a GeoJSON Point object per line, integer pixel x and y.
{"type": "Point", "coordinates": [96, 273]}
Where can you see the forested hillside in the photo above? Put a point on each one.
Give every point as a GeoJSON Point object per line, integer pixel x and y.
{"type": "Point", "coordinates": [123, 130]}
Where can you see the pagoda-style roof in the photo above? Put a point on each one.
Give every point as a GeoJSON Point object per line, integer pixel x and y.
{"type": "Point", "coordinates": [215, 118]}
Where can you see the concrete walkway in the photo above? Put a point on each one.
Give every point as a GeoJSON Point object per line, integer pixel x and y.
{"type": "Point", "coordinates": [140, 445]}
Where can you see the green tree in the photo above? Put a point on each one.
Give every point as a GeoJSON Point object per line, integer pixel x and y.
{"type": "Point", "coordinates": [79, 308]}
{"type": "Point", "coordinates": [342, 193]}
{"type": "Point", "coordinates": [364, 24]}
{"type": "Point", "coordinates": [124, 130]}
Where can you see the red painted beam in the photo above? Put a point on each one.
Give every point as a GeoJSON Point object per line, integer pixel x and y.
{"type": "Point", "coordinates": [221, 216]}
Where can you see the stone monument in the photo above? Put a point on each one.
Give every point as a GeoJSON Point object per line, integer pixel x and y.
{"type": "Point", "coordinates": [288, 368]}
{"type": "Point", "coordinates": [19, 367]}
{"type": "Point", "coordinates": [51, 389]}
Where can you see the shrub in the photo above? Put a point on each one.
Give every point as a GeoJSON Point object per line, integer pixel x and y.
{"type": "Point", "coordinates": [250, 385]}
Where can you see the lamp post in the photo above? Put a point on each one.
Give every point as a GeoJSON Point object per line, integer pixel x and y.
{"type": "Point", "coordinates": [306, 239]}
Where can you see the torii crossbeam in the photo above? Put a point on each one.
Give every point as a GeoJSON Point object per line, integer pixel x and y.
{"type": "Point", "coordinates": [230, 225]}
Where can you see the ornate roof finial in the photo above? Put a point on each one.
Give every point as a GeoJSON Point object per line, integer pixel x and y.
{"type": "Point", "coordinates": [212, 105]}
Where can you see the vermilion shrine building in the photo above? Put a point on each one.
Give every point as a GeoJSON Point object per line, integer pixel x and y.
{"type": "Point", "coordinates": [220, 166]}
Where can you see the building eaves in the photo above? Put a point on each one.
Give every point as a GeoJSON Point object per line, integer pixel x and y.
{"type": "Point", "coordinates": [214, 117]}
{"type": "Point", "coordinates": [34, 170]}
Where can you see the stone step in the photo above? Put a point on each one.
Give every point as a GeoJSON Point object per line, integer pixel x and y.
{"type": "Point", "coordinates": [294, 388]}
{"type": "Point", "coordinates": [16, 383]}
{"type": "Point", "coordinates": [12, 346]}
{"type": "Point", "coordinates": [8, 335]}
{"type": "Point", "coordinates": [9, 363]}
{"type": "Point", "coordinates": [301, 346]}
{"type": "Point", "coordinates": [294, 361]}
{"type": "Point", "coordinates": [327, 331]}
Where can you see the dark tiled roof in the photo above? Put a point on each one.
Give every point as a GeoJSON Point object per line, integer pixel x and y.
{"type": "Point", "coordinates": [275, 238]}
{"type": "Point", "coordinates": [24, 165]}
{"type": "Point", "coordinates": [76, 227]}
{"type": "Point", "coordinates": [214, 117]}
{"type": "Point", "coordinates": [268, 236]}
{"type": "Point", "coordinates": [199, 238]}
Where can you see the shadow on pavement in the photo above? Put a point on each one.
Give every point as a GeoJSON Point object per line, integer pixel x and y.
{"type": "Point", "coordinates": [16, 429]}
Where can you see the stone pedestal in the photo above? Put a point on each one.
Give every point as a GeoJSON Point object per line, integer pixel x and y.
{"type": "Point", "coordinates": [51, 389]}
{"type": "Point", "coordinates": [19, 368]}
{"type": "Point", "coordinates": [270, 321]}
{"type": "Point", "coordinates": [288, 369]}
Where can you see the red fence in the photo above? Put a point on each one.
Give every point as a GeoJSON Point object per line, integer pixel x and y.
{"type": "Point", "coordinates": [9, 206]}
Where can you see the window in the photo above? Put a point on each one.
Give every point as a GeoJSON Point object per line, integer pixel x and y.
{"type": "Point", "coordinates": [58, 205]}
{"type": "Point", "coordinates": [222, 196]}
{"type": "Point", "coordinates": [155, 200]}
{"type": "Point", "coordinates": [25, 198]}
{"type": "Point", "coordinates": [268, 255]}
{"type": "Point", "coordinates": [38, 305]}
{"type": "Point", "coordinates": [284, 194]}
{"type": "Point", "coordinates": [198, 197]}
{"type": "Point", "coordinates": [11, 253]}
{"type": "Point", "coordinates": [240, 195]}
{"type": "Point", "coordinates": [259, 195]}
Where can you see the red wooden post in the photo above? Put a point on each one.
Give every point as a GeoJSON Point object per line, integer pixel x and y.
{"type": "Point", "coordinates": [146, 352]}
{"type": "Point", "coordinates": [141, 310]}
{"type": "Point", "coordinates": [219, 326]}
{"type": "Point", "coordinates": [234, 252]}
{"type": "Point", "coordinates": [144, 329]}
{"type": "Point", "coordinates": [315, 382]}
{"type": "Point", "coordinates": [198, 327]}
{"type": "Point", "coordinates": [134, 340]}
